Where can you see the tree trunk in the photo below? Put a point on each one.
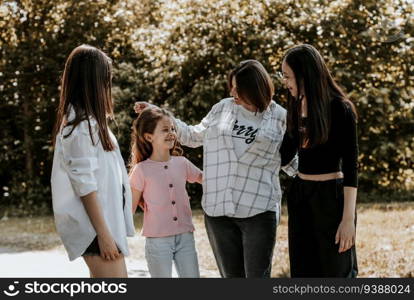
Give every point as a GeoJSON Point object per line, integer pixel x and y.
{"type": "Point", "coordinates": [27, 139]}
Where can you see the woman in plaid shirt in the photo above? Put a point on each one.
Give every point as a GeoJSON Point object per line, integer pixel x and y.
{"type": "Point", "coordinates": [243, 154]}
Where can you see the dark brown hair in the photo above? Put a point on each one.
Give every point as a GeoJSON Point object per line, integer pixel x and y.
{"type": "Point", "coordinates": [253, 83]}
{"type": "Point", "coordinates": [314, 81]}
{"type": "Point", "coordinates": [141, 149]}
{"type": "Point", "coordinates": [86, 87]}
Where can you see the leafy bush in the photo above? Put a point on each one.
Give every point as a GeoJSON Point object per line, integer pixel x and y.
{"type": "Point", "coordinates": [178, 53]}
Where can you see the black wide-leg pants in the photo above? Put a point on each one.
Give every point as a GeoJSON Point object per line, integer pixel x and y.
{"type": "Point", "coordinates": [315, 211]}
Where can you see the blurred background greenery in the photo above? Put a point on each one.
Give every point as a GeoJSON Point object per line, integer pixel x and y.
{"type": "Point", "coordinates": [178, 53]}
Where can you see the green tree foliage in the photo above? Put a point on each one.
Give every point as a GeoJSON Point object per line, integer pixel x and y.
{"type": "Point", "coordinates": [35, 39]}
{"type": "Point", "coordinates": [178, 54]}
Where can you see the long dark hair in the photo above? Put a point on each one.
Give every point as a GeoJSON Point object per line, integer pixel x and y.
{"type": "Point", "coordinates": [315, 82]}
{"type": "Point", "coordinates": [141, 149]}
{"type": "Point", "coordinates": [86, 87]}
{"type": "Point", "coordinates": [253, 83]}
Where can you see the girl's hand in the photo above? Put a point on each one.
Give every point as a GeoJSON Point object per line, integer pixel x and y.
{"type": "Point", "coordinates": [109, 250]}
{"type": "Point", "coordinates": [140, 106]}
{"type": "Point", "coordinates": [345, 235]}
{"type": "Point", "coordinates": [142, 204]}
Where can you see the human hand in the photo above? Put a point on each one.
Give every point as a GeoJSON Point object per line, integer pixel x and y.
{"type": "Point", "coordinates": [140, 106]}
{"type": "Point", "coordinates": [345, 235]}
{"type": "Point", "coordinates": [142, 204]}
{"type": "Point", "coordinates": [108, 248]}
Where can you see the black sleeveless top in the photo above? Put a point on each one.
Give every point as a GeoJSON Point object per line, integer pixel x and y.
{"type": "Point", "coordinates": [338, 153]}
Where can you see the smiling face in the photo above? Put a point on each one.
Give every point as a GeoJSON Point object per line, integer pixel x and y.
{"type": "Point", "coordinates": [289, 79]}
{"type": "Point", "coordinates": [164, 135]}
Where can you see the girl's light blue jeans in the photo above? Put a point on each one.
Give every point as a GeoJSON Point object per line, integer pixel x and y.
{"type": "Point", "coordinates": [161, 252]}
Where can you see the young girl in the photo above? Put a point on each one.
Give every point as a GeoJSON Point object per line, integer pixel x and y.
{"type": "Point", "coordinates": [243, 154]}
{"type": "Point", "coordinates": [90, 188]}
{"type": "Point", "coordinates": [158, 177]}
{"type": "Point", "coordinates": [321, 202]}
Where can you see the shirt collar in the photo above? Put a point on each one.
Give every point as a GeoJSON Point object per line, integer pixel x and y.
{"type": "Point", "coordinates": [72, 115]}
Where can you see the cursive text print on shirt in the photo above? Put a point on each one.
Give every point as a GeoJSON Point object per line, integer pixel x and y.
{"type": "Point", "coordinates": [248, 133]}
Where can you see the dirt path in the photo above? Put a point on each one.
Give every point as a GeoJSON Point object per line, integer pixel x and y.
{"type": "Point", "coordinates": [55, 263]}
{"type": "Point", "coordinates": [30, 247]}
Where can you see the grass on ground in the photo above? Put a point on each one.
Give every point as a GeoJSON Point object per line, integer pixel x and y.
{"type": "Point", "coordinates": [385, 240]}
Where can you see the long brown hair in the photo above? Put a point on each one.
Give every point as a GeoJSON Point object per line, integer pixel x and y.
{"type": "Point", "coordinates": [86, 87]}
{"type": "Point", "coordinates": [314, 81]}
{"type": "Point", "coordinates": [141, 149]}
{"type": "Point", "coordinates": [253, 83]}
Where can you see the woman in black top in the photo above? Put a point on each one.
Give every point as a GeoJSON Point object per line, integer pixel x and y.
{"type": "Point", "coordinates": [322, 129]}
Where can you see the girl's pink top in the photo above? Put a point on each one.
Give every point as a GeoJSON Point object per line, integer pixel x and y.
{"type": "Point", "coordinates": [168, 210]}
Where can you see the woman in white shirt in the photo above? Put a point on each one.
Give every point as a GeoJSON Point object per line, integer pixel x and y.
{"type": "Point", "coordinates": [90, 188]}
{"type": "Point", "coordinates": [243, 154]}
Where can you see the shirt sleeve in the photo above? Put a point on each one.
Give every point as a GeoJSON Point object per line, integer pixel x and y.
{"type": "Point", "coordinates": [136, 178]}
{"type": "Point", "coordinates": [80, 157]}
{"type": "Point", "coordinates": [288, 149]}
{"type": "Point", "coordinates": [194, 174]}
{"type": "Point", "coordinates": [193, 135]}
{"type": "Point", "coordinates": [292, 167]}
{"type": "Point", "coordinates": [350, 148]}
{"type": "Point", "coordinates": [288, 153]}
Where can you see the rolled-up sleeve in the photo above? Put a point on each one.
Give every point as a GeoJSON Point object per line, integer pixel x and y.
{"type": "Point", "coordinates": [193, 135]}
{"type": "Point", "coordinates": [80, 158]}
{"type": "Point", "coordinates": [292, 167]}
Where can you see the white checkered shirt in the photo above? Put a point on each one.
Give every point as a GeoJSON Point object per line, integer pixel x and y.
{"type": "Point", "coordinates": [245, 186]}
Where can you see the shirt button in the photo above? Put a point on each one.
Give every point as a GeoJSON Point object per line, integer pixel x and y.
{"type": "Point", "coordinates": [175, 218]}
{"type": "Point", "coordinates": [165, 167]}
{"type": "Point", "coordinates": [171, 185]}
{"type": "Point", "coordinates": [173, 203]}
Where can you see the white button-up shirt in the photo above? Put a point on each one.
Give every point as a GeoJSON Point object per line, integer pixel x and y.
{"type": "Point", "coordinates": [248, 185]}
{"type": "Point", "coordinates": [79, 168]}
